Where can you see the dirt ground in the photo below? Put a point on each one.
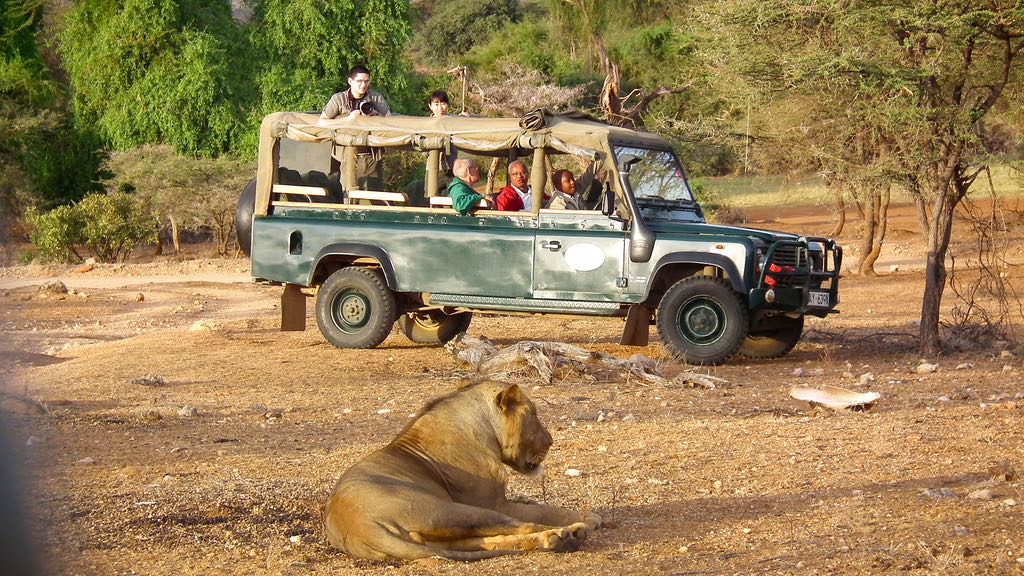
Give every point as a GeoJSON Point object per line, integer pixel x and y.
{"type": "Point", "coordinates": [161, 424]}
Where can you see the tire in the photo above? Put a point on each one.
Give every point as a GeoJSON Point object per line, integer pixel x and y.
{"type": "Point", "coordinates": [701, 321]}
{"type": "Point", "coordinates": [434, 326]}
{"type": "Point", "coordinates": [355, 308]}
{"type": "Point", "coordinates": [773, 337]}
{"type": "Point", "coordinates": [243, 217]}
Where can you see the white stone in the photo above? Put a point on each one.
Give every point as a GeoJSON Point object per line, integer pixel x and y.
{"type": "Point", "coordinates": [573, 473]}
{"type": "Point", "coordinates": [926, 368]}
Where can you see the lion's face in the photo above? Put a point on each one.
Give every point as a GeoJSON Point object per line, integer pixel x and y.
{"type": "Point", "coordinates": [524, 440]}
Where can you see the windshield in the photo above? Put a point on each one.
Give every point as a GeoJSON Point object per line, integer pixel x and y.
{"type": "Point", "coordinates": [658, 174]}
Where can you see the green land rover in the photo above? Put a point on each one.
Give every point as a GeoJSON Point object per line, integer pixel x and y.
{"type": "Point", "coordinates": [641, 250]}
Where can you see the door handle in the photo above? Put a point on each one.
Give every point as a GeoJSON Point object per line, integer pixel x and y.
{"type": "Point", "coordinates": [553, 245]}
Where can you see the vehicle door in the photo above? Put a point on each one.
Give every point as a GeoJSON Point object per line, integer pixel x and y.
{"type": "Point", "coordinates": [578, 255]}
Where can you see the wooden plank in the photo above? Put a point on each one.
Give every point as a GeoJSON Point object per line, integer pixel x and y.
{"type": "Point", "coordinates": [304, 190]}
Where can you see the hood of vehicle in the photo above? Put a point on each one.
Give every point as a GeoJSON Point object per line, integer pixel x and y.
{"type": "Point", "coordinates": [717, 230]}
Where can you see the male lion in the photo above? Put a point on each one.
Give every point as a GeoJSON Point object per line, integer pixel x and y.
{"type": "Point", "coordinates": [438, 489]}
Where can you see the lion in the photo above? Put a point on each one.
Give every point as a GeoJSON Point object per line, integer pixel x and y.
{"type": "Point", "coordinates": [438, 489]}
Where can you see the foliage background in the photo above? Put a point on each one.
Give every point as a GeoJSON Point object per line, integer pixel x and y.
{"type": "Point", "coordinates": [87, 85]}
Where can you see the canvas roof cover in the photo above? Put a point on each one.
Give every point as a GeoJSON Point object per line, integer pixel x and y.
{"type": "Point", "coordinates": [571, 132]}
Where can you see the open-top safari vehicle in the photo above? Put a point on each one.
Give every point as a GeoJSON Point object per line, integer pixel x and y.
{"type": "Point", "coordinates": [642, 250]}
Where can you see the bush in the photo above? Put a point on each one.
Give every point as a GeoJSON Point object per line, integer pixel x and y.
{"type": "Point", "coordinates": [56, 233]}
{"type": "Point", "coordinates": [110, 225]}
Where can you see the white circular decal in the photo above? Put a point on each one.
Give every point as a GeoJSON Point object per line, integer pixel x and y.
{"type": "Point", "coordinates": [584, 257]}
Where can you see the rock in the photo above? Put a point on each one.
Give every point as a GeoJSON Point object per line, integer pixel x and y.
{"type": "Point", "coordinates": [90, 262]}
{"type": "Point", "coordinates": [926, 368]}
{"type": "Point", "coordinates": [573, 473]}
{"type": "Point", "coordinates": [83, 269]}
{"type": "Point", "coordinates": [961, 531]}
{"type": "Point", "coordinates": [150, 380]}
{"type": "Point", "coordinates": [1009, 502]}
{"type": "Point", "coordinates": [139, 296]}
{"type": "Point", "coordinates": [717, 485]}
{"type": "Point", "coordinates": [54, 287]}
{"type": "Point", "coordinates": [964, 366]}
{"type": "Point", "coordinates": [188, 411]}
{"type": "Point", "coordinates": [938, 493]}
{"type": "Point", "coordinates": [894, 268]}
{"type": "Point", "coordinates": [943, 398]}
{"type": "Point", "coordinates": [848, 375]}
{"type": "Point", "coordinates": [87, 461]}
{"type": "Point", "coordinates": [275, 414]}
{"type": "Point", "coordinates": [295, 539]}
{"type": "Point", "coordinates": [384, 411]}
{"type": "Point", "coordinates": [205, 325]}
{"type": "Point", "coordinates": [982, 494]}
{"type": "Point", "coordinates": [866, 378]}
{"type": "Point", "coordinates": [799, 372]}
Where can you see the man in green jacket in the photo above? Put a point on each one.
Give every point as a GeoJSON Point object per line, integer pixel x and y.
{"type": "Point", "coordinates": [460, 189]}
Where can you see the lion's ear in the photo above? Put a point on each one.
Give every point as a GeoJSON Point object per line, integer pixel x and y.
{"type": "Point", "coordinates": [509, 398]}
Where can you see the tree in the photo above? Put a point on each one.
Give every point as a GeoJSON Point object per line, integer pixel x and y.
{"type": "Point", "coordinates": [149, 71]}
{"type": "Point", "coordinates": [920, 75]}
{"type": "Point", "coordinates": [186, 193]}
{"type": "Point", "coordinates": [455, 27]}
{"type": "Point", "coordinates": [304, 49]}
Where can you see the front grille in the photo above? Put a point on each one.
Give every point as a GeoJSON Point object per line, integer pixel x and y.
{"type": "Point", "coordinates": [795, 256]}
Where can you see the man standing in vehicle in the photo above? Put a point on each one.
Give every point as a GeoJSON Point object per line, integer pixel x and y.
{"type": "Point", "coordinates": [358, 100]}
{"type": "Point", "coordinates": [352, 102]}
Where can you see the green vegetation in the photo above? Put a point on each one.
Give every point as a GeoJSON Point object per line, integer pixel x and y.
{"type": "Point", "coordinates": [109, 225]}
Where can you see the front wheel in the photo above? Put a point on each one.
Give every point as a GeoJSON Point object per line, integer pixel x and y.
{"type": "Point", "coordinates": [702, 321]}
{"type": "Point", "coordinates": [355, 308]}
{"type": "Point", "coordinates": [433, 326]}
{"type": "Point", "coordinates": [772, 337]}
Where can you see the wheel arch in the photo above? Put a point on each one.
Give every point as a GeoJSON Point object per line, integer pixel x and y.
{"type": "Point", "coordinates": [343, 254]}
{"type": "Point", "coordinates": [676, 266]}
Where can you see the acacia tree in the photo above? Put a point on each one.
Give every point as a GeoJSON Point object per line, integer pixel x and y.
{"type": "Point", "coordinates": [924, 75]}
{"type": "Point", "coordinates": [184, 193]}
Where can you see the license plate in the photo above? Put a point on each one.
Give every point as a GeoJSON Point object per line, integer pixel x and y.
{"type": "Point", "coordinates": [817, 299]}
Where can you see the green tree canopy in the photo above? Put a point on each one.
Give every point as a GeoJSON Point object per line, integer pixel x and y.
{"type": "Point", "coordinates": [155, 71]}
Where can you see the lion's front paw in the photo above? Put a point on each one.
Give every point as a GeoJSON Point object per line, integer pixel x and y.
{"type": "Point", "coordinates": [578, 530]}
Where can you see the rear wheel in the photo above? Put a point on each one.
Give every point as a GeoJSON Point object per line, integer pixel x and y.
{"type": "Point", "coordinates": [355, 308]}
{"type": "Point", "coordinates": [702, 321]}
{"type": "Point", "coordinates": [773, 337]}
{"type": "Point", "coordinates": [433, 326]}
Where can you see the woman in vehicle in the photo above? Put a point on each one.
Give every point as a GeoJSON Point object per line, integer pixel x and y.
{"type": "Point", "coordinates": [564, 197]}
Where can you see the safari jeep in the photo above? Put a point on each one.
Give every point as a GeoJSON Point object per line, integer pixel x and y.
{"type": "Point", "coordinates": [642, 250]}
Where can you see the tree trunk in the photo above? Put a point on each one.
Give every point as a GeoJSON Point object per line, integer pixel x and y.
{"type": "Point", "coordinates": [882, 219]}
{"type": "Point", "coordinates": [922, 215]}
{"type": "Point", "coordinates": [940, 228]}
{"type": "Point", "coordinates": [867, 239]}
{"type": "Point", "coordinates": [840, 196]}
{"type": "Point", "coordinates": [175, 235]}
{"type": "Point", "coordinates": [935, 277]}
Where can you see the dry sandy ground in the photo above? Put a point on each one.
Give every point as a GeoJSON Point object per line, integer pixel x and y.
{"type": "Point", "coordinates": [170, 447]}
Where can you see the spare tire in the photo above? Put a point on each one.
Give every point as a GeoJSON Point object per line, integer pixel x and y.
{"type": "Point", "coordinates": [243, 217]}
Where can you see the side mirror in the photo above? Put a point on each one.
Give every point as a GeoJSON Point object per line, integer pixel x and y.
{"type": "Point", "coordinates": [607, 202]}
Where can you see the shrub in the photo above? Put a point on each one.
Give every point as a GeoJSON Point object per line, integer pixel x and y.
{"type": "Point", "coordinates": [110, 225]}
{"type": "Point", "coordinates": [56, 233]}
